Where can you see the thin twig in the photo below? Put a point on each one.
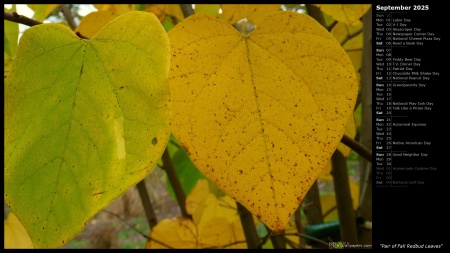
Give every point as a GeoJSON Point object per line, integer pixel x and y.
{"type": "Point", "coordinates": [175, 144]}
{"type": "Point", "coordinates": [265, 238]}
{"type": "Point", "coordinates": [135, 229]}
{"type": "Point", "coordinates": [351, 36]}
{"type": "Point", "coordinates": [187, 10]}
{"type": "Point", "coordinates": [66, 11]}
{"type": "Point", "coordinates": [357, 147]}
{"type": "Point", "coordinates": [332, 25]}
{"type": "Point", "coordinates": [14, 17]}
{"type": "Point", "coordinates": [307, 237]}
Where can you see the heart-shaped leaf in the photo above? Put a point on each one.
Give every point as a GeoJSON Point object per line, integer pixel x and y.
{"type": "Point", "coordinates": [260, 115]}
{"type": "Point", "coordinates": [84, 121]}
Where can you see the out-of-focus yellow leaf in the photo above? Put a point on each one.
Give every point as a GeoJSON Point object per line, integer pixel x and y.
{"type": "Point", "coordinates": [174, 10]}
{"type": "Point", "coordinates": [348, 14]}
{"type": "Point", "coordinates": [328, 202]}
{"type": "Point", "coordinates": [325, 174]}
{"type": "Point", "coordinates": [41, 11]}
{"type": "Point", "coordinates": [197, 196]}
{"type": "Point", "coordinates": [350, 131]}
{"type": "Point", "coordinates": [253, 12]}
{"type": "Point", "coordinates": [290, 230]}
{"type": "Point", "coordinates": [153, 8]}
{"type": "Point", "coordinates": [182, 233]}
{"type": "Point", "coordinates": [204, 205]}
{"type": "Point", "coordinates": [81, 134]}
{"type": "Point", "coordinates": [175, 232]}
{"type": "Point", "coordinates": [160, 10]}
{"type": "Point", "coordinates": [92, 23]}
{"type": "Point", "coordinates": [212, 9]}
{"type": "Point", "coordinates": [116, 8]}
{"type": "Point", "coordinates": [16, 237]}
{"type": "Point", "coordinates": [260, 115]}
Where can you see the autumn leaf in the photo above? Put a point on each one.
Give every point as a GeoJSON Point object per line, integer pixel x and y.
{"type": "Point", "coordinates": [348, 14]}
{"type": "Point", "coordinates": [253, 12]}
{"type": "Point", "coordinates": [16, 237]}
{"type": "Point", "coordinates": [116, 8]}
{"type": "Point", "coordinates": [260, 115]}
{"type": "Point", "coordinates": [328, 202]}
{"type": "Point", "coordinates": [183, 233]}
{"type": "Point", "coordinates": [160, 10]}
{"type": "Point", "coordinates": [216, 223]}
{"type": "Point", "coordinates": [42, 11]}
{"type": "Point", "coordinates": [93, 22]}
{"type": "Point", "coordinates": [84, 121]}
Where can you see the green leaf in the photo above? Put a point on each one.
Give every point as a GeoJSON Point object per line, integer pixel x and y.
{"type": "Point", "coordinates": [80, 117]}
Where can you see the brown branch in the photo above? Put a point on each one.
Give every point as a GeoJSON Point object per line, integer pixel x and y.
{"type": "Point", "coordinates": [175, 182]}
{"type": "Point", "coordinates": [249, 227]}
{"type": "Point", "coordinates": [357, 147]}
{"type": "Point", "coordinates": [14, 17]}
{"type": "Point", "coordinates": [346, 213]}
{"type": "Point", "coordinates": [148, 208]}
{"type": "Point", "coordinates": [187, 10]}
{"type": "Point", "coordinates": [66, 11]}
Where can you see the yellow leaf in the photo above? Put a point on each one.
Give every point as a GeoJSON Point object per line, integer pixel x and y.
{"type": "Point", "coordinates": [212, 9]}
{"type": "Point", "coordinates": [182, 233]}
{"type": "Point", "coordinates": [153, 8]}
{"type": "Point", "coordinates": [348, 14]}
{"type": "Point", "coordinates": [328, 202]}
{"type": "Point", "coordinates": [175, 232]}
{"type": "Point", "coordinates": [253, 12]}
{"type": "Point", "coordinates": [92, 23]}
{"type": "Point", "coordinates": [325, 174]}
{"type": "Point", "coordinates": [204, 205]}
{"type": "Point", "coordinates": [42, 11]}
{"type": "Point", "coordinates": [116, 8]}
{"type": "Point", "coordinates": [197, 196]}
{"type": "Point", "coordinates": [260, 115]}
{"type": "Point", "coordinates": [174, 10]}
{"type": "Point", "coordinates": [16, 237]}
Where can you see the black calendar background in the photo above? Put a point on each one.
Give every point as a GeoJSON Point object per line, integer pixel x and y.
{"type": "Point", "coordinates": [416, 215]}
